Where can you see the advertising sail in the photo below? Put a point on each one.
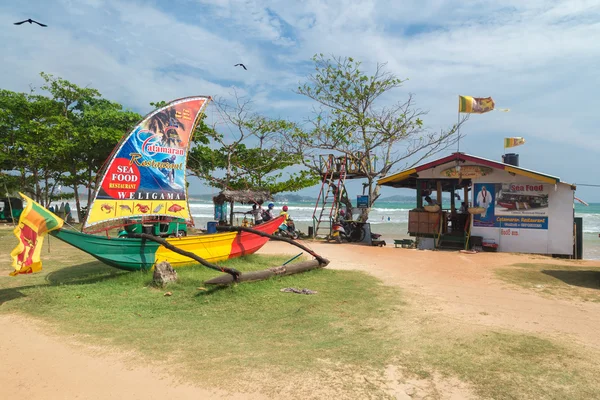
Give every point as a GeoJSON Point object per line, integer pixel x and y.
{"type": "Point", "coordinates": [146, 175]}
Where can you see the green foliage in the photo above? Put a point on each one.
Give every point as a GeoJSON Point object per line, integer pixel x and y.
{"type": "Point", "coordinates": [58, 140]}
{"type": "Point", "coordinates": [356, 121]}
{"type": "Point", "coordinates": [249, 156]}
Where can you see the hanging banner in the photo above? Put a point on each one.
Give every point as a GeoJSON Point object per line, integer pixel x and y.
{"type": "Point", "coordinates": [511, 205]}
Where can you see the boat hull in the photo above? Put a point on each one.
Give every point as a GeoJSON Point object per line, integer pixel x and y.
{"type": "Point", "coordinates": [134, 254]}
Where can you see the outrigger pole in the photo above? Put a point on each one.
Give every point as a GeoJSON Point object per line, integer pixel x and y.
{"type": "Point", "coordinates": [232, 271]}
{"type": "Point", "coordinates": [318, 262]}
{"type": "Point", "coordinates": [235, 275]}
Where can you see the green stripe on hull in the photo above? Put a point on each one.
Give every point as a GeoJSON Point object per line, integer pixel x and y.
{"type": "Point", "coordinates": [123, 253]}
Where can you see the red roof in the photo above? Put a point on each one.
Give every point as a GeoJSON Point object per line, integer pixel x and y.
{"type": "Point", "coordinates": [403, 175]}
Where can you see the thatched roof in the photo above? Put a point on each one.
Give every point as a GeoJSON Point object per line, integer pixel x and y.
{"type": "Point", "coordinates": [243, 196]}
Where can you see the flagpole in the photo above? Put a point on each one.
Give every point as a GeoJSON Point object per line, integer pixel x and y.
{"type": "Point", "coordinates": [458, 126]}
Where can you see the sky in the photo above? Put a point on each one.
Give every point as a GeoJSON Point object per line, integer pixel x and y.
{"type": "Point", "coordinates": [539, 58]}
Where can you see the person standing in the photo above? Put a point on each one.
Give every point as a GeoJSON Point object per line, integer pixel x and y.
{"type": "Point", "coordinates": [256, 213]}
{"type": "Point", "coordinates": [484, 199]}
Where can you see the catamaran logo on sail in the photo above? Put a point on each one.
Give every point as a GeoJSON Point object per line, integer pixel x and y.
{"type": "Point", "coordinates": [149, 147]}
{"type": "Point", "coordinates": [163, 150]}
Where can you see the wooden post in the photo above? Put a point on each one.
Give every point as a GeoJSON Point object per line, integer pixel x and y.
{"type": "Point", "coordinates": [231, 213]}
{"type": "Point", "coordinates": [452, 201]}
{"type": "Point", "coordinates": [439, 193]}
{"type": "Point", "coordinates": [419, 196]}
{"type": "Point", "coordinates": [466, 196]}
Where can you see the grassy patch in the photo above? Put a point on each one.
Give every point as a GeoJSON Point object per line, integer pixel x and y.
{"type": "Point", "coordinates": [570, 282]}
{"type": "Point", "coordinates": [212, 334]}
{"type": "Point", "coordinates": [505, 365]}
{"type": "Point", "coordinates": [337, 342]}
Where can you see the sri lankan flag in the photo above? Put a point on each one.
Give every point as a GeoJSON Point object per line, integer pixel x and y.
{"type": "Point", "coordinates": [475, 105]}
{"type": "Point", "coordinates": [513, 141]}
{"type": "Point", "coordinates": [34, 223]}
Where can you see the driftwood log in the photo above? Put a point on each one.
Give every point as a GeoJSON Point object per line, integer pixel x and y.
{"type": "Point", "coordinates": [231, 271]}
{"type": "Point", "coordinates": [268, 273]}
{"type": "Point", "coordinates": [163, 274]}
{"type": "Point", "coordinates": [290, 241]}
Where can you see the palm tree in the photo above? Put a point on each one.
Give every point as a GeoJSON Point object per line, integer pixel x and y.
{"type": "Point", "coordinates": [159, 122]}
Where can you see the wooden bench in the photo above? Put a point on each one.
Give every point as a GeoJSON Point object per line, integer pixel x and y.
{"type": "Point", "coordinates": [405, 243]}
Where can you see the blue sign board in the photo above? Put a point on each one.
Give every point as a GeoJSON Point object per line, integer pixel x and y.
{"type": "Point", "coordinates": [362, 201]}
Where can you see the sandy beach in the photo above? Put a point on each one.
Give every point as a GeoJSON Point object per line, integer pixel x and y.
{"type": "Point", "coordinates": [461, 287]}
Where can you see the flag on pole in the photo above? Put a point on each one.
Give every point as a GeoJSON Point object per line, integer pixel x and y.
{"type": "Point", "coordinates": [34, 223]}
{"type": "Point", "coordinates": [513, 141]}
{"type": "Point", "coordinates": [475, 105]}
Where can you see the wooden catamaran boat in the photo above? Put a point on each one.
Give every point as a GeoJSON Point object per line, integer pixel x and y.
{"type": "Point", "coordinates": [144, 179]}
{"type": "Point", "coordinates": [136, 254]}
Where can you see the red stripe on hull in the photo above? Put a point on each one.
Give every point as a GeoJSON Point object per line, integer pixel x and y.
{"type": "Point", "coordinates": [248, 243]}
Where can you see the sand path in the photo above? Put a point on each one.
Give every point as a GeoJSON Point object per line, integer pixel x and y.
{"type": "Point", "coordinates": [463, 287]}
{"type": "Point", "coordinates": [36, 364]}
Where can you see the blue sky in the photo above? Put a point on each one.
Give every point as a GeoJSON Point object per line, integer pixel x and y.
{"type": "Point", "coordinates": [540, 58]}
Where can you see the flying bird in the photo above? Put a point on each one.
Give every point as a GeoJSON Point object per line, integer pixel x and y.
{"type": "Point", "coordinates": [242, 65]}
{"type": "Point", "coordinates": [30, 21]}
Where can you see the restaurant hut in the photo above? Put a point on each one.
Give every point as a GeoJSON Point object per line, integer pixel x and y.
{"type": "Point", "coordinates": [230, 197]}
{"type": "Point", "coordinates": [494, 206]}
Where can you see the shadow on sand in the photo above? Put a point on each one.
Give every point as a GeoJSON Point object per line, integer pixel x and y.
{"type": "Point", "coordinates": [583, 278]}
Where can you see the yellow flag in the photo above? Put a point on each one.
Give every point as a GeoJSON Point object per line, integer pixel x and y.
{"type": "Point", "coordinates": [34, 223]}
{"type": "Point", "coordinates": [513, 141]}
{"type": "Point", "coordinates": [475, 105]}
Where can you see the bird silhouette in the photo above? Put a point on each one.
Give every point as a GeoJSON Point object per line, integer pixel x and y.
{"type": "Point", "coordinates": [30, 21]}
{"type": "Point", "coordinates": [242, 65]}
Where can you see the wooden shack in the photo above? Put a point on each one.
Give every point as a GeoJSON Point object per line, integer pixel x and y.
{"type": "Point", "coordinates": [507, 208]}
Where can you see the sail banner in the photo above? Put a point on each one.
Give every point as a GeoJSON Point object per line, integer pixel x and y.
{"type": "Point", "coordinates": [146, 175]}
{"type": "Point", "coordinates": [513, 141]}
{"type": "Point", "coordinates": [475, 105]}
{"type": "Point", "coordinates": [34, 223]}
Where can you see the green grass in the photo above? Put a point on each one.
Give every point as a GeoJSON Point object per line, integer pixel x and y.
{"type": "Point", "coordinates": [555, 280]}
{"type": "Point", "coordinates": [251, 336]}
{"type": "Point", "coordinates": [505, 365]}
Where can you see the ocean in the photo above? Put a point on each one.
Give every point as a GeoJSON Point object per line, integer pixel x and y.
{"type": "Point", "coordinates": [390, 219]}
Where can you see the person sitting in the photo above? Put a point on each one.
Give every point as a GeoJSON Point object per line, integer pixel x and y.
{"type": "Point", "coordinates": [284, 212]}
{"type": "Point", "coordinates": [342, 217]}
{"type": "Point", "coordinates": [267, 214]}
{"type": "Point", "coordinates": [430, 201]}
{"type": "Point", "coordinates": [463, 208]}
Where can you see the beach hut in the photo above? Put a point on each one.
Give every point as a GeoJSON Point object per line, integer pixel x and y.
{"type": "Point", "coordinates": [489, 205]}
{"type": "Point", "coordinates": [237, 196]}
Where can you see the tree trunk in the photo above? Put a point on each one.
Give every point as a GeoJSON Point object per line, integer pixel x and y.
{"type": "Point", "coordinates": [37, 194]}
{"type": "Point", "coordinates": [373, 196]}
{"type": "Point", "coordinates": [347, 202]}
{"type": "Point", "coordinates": [89, 188]}
{"type": "Point", "coordinates": [76, 193]}
{"type": "Point", "coordinates": [46, 202]}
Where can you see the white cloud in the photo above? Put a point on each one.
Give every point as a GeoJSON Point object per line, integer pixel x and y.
{"type": "Point", "coordinates": [538, 57]}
